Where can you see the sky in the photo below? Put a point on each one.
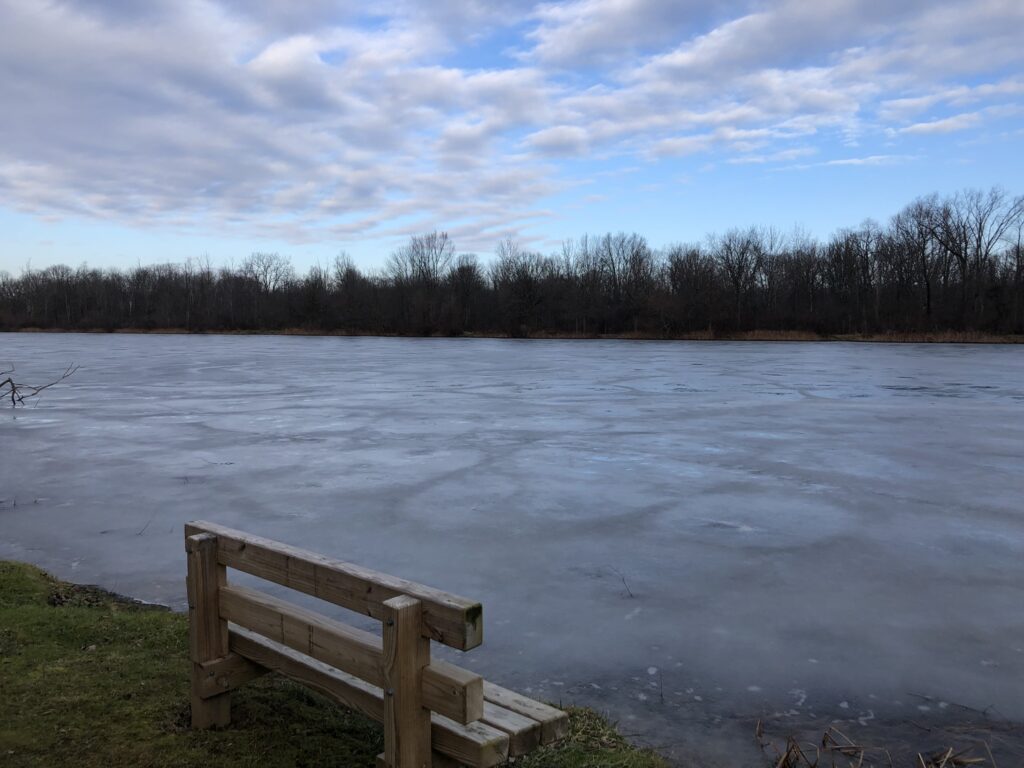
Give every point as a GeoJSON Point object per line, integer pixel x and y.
{"type": "Point", "coordinates": [158, 131]}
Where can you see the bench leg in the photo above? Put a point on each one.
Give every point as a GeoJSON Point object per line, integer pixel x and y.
{"type": "Point", "coordinates": [406, 653]}
{"type": "Point", "coordinates": [207, 631]}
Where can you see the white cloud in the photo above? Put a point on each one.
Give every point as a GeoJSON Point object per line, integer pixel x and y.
{"type": "Point", "coordinates": [589, 32]}
{"type": "Point", "coordinates": [869, 160]}
{"type": "Point", "coordinates": [678, 146]}
{"type": "Point", "coordinates": [945, 125]}
{"type": "Point", "coordinates": [328, 120]}
{"type": "Point", "coordinates": [559, 140]}
{"type": "Point", "coordinates": [781, 156]}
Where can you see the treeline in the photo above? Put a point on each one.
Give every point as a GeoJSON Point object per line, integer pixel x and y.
{"type": "Point", "coordinates": [940, 264]}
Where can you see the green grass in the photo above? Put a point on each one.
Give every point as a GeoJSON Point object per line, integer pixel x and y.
{"type": "Point", "coordinates": [90, 679]}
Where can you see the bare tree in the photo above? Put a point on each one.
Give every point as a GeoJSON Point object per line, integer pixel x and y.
{"type": "Point", "coordinates": [467, 283]}
{"type": "Point", "coordinates": [913, 229]}
{"type": "Point", "coordinates": [970, 226]}
{"type": "Point", "coordinates": [424, 260]}
{"type": "Point", "coordinates": [269, 270]}
{"type": "Point", "coordinates": [739, 254]}
{"type": "Point", "coordinates": [516, 277]}
{"type": "Point", "coordinates": [1015, 261]}
{"type": "Point", "coordinates": [691, 280]}
{"type": "Point", "coordinates": [344, 270]}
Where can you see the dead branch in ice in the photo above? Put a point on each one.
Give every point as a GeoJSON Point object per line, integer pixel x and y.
{"type": "Point", "coordinates": [837, 750]}
{"type": "Point", "coordinates": [19, 392]}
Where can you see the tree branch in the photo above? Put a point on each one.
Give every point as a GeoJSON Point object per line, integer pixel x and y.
{"type": "Point", "coordinates": [19, 392]}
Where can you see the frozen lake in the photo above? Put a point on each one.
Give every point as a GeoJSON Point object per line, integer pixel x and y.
{"type": "Point", "coordinates": [688, 536]}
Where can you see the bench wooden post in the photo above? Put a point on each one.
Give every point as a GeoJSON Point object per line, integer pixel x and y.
{"type": "Point", "coordinates": [406, 653]}
{"type": "Point", "coordinates": [208, 632]}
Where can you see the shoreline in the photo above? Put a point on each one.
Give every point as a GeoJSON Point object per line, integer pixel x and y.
{"type": "Point", "coordinates": [889, 337]}
{"type": "Point", "coordinates": [277, 718]}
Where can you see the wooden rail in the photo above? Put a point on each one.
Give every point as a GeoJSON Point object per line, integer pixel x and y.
{"type": "Point", "coordinates": [434, 713]}
{"type": "Point", "coordinates": [449, 619]}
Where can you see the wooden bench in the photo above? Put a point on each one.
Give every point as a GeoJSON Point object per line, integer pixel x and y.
{"type": "Point", "coordinates": [434, 713]}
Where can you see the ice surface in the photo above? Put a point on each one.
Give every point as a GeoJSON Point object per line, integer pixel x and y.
{"type": "Point", "coordinates": [814, 530]}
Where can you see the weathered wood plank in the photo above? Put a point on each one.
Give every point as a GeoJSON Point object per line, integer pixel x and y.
{"type": "Point", "coordinates": [554, 722]}
{"type": "Point", "coordinates": [475, 744]}
{"type": "Point", "coordinates": [349, 691]}
{"type": "Point", "coordinates": [524, 733]}
{"type": "Point", "coordinates": [208, 631]}
{"type": "Point", "coordinates": [406, 653]}
{"type": "Point", "coordinates": [447, 689]}
{"type": "Point", "coordinates": [453, 691]}
{"type": "Point", "coordinates": [347, 648]}
{"type": "Point", "coordinates": [449, 619]}
{"type": "Point", "coordinates": [227, 674]}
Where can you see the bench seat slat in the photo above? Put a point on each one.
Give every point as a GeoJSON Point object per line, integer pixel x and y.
{"type": "Point", "coordinates": [523, 732]}
{"type": "Point", "coordinates": [554, 722]}
{"type": "Point", "coordinates": [475, 744]}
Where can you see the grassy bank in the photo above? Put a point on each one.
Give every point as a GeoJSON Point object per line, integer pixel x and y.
{"type": "Point", "coordinates": [889, 337]}
{"type": "Point", "coordinates": [91, 679]}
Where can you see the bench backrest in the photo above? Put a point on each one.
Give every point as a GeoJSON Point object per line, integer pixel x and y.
{"type": "Point", "coordinates": [449, 619]}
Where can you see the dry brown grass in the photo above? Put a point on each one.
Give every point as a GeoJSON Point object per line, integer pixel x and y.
{"type": "Point", "coordinates": [835, 749]}
{"type": "Point", "coordinates": [937, 337]}
{"type": "Point", "coordinates": [888, 337]}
